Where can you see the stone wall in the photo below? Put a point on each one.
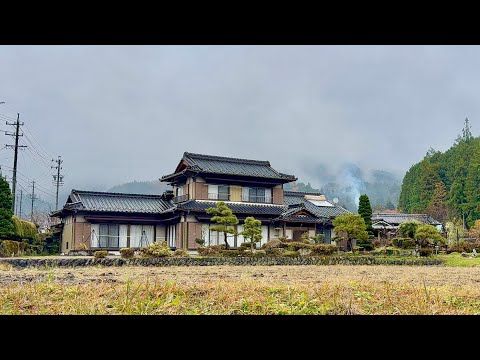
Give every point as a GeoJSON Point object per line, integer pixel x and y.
{"type": "Point", "coordinates": [88, 261]}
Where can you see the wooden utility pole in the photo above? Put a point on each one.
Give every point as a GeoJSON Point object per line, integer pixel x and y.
{"type": "Point", "coordinates": [58, 178]}
{"type": "Point", "coordinates": [16, 134]}
{"type": "Point", "coordinates": [33, 199]}
{"type": "Point", "coordinates": [20, 210]}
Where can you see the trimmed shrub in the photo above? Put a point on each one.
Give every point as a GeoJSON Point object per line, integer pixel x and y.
{"type": "Point", "coordinates": [127, 253]}
{"type": "Point", "coordinates": [181, 253]}
{"type": "Point", "coordinates": [318, 239]}
{"type": "Point", "coordinates": [233, 253]}
{"type": "Point", "coordinates": [425, 251]}
{"type": "Point", "coordinates": [289, 253]}
{"type": "Point", "coordinates": [258, 253]}
{"type": "Point", "coordinates": [295, 246]}
{"type": "Point", "coordinates": [24, 229]}
{"type": "Point", "coordinates": [100, 254]}
{"type": "Point", "coordinates": [464, 246]}
{"type": "Point", "coordinates": [12, 248]}
{"type": "Point", "coordinates": [272, 244]}
{"type": "Point", "coordinates": [210, 250]}
{"type": "Point", "coordinates": [275, 251]}
{"type": "Point", "coordinates": [157, 249]}
{"type": "Point", "coordinates": [323, 249]}
{"type": "Point", "coordinates": [403, 243]}
{"type": "Point", "coordinates": [245, 245]}
{"type": "Point", "coordinates": [365, 244]}
{"type": "Point", "coordinates": [200, 242]}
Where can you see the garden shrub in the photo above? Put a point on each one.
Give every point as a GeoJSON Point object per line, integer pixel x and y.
{"type": "Point", "coordinates": [181, 253]}
{"type": "Point", "coordinates": [365, 244]}
{"type": "Point", "coordinates": [127, 253]}
{"type": "Point", "coordinates": [275, 251]}
{"type": "Point", "coordinates": [272, 244]}
{"type": "Point", "coordinates": [323, 249]}
{"type": "Point", "coordinates": [403, 243]}
{"type": "Point", "coordinates": [305, 238]}
{"type": "Point", "coordinates": [233, 253]}
{"type": "Point", "coordinates": [210, 250]}
{"type": "Point", "coordinates": [290, 253]}
{"type": "Point", "coordinates": [356, 249]}
{"type": "Point", "coordinates": [425, 251]}
{"type": "Point", "coordinates": [318, 239]}
{"type": "Point", "coordinates": [200, 242]}
{"type": "Point", "coordinates": [157, 249]}
{"type": "Point", "coordinates": [12, 248]}
{"type": "Point", "coordinates": [100, 254]}
{"type": "Point", "coordinates": [258, 253]}
{"type": "Point", "coordinates": [464, 246]}
{"type": "Point", "coordinates": [295, 246]}
{"type": "Point", "coordinates": [24, 229]}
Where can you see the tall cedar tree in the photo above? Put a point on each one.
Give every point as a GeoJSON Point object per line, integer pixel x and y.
{"type": "Point", "coordinates": [6, 222]}
{"type": "Point", "coordinates": [365, 211]}
{"type": "Point", "coordinates": [225, 219]}
{"type": "Point", "coordinates": [458, 169]}
{"type": "Point", "coordinates": [252, 230]}
{"type": "Point", "coordinates": [438, 206]}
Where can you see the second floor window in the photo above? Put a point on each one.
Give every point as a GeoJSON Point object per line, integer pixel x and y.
{"type": "Point", "coordinates": [258, 195]}
{"type": "Point", "coordinates": [219, 192]}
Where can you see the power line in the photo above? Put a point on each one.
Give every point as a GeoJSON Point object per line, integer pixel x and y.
{"type": "Point", "coordinates": [39, 144]}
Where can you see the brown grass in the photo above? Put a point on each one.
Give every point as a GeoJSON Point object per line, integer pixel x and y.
{"type": "Point", "coordinates": [242, 290]}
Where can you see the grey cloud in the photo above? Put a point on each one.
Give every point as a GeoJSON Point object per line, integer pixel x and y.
{"type": "Point", "coordinates": [119, 113]}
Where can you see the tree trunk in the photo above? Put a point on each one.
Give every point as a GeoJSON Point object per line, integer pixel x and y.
{"type": "Point", "coordinates": [225, 239]}
{"type": "Point", "coordinates": [251, 244]}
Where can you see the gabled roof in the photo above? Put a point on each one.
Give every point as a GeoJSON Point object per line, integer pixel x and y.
{"type": "Point", "coordinates": [227, 166]}
{"type": "Point", "coordinates": [400, 218]}
{"type": "Point", "coordinates": [116, 202]}
{"type": "Point", "coordinates": [301, 213]}
{"type": "Point", "coordinates": [296, 198]}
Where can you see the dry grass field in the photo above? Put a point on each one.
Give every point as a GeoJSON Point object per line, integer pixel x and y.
{"type": "Point", "coordinates": [336, 289]}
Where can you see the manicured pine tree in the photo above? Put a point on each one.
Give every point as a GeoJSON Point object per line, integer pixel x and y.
{"type": "Point", "coordinates": [225, 220]}
{"type": "Point", "coordinates": [365, 211]}
{"type": "Point", "coordinates": [252, 230]}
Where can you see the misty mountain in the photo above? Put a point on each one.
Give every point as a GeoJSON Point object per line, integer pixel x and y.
{"type": "Point", "coordinates": [346, 184]}
{"type": "Point", "coordinates": [349, 182]}
{"type": "Point", "coordinates": [154, 187]}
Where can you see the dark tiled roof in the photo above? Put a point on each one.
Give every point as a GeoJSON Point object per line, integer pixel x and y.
{"type": "Point", "coordinates": [116, 202]}
{"type": "Point", "coordinates": [399, 218]}
{"type": "Point", "coordinates": [301, 193]}
{"type": "Point", "coordinates": [297, 198]}
{"type": "Point", "coordinates": [231, 166]}
{"type": "Point", "coordinates": [236, 207]}
{"type": "Point", "coordinates": [292, 215]}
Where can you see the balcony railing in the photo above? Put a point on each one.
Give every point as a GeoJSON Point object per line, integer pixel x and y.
{"type": "Point", "coordinates": [257, 199]}
{"type": "Point", "coordinates": [181, 198]}
{"type": "Point", "coordinates": [217, 196]}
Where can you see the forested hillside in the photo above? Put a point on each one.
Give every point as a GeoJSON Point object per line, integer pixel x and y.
{"type": "Point", "coordinates": [447, 184]}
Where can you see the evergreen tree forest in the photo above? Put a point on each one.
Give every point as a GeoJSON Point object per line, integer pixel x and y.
{"type": "Point", "coordinates": [446, 185]}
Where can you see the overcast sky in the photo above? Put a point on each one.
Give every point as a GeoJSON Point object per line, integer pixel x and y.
{"type": "Point", "coordinates": [119, 113]}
